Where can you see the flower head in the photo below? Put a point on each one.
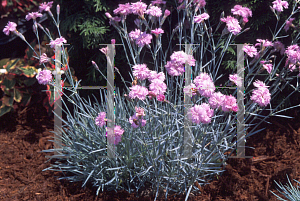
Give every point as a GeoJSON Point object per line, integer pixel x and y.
{"type": "Point", "coordinates": [143, 39]}
{"type": "Point", "coordinates": [265, 43]}
{"type": "Point", "coordinates": [58, 41]}
{"type": "Point", "coordinates": [44, 58]}
{"type": "Point", "coordinates": [260, 84]}
{"type": "Point", "coordinates": [232, 24]}
{"type": "Point", "coordinates": [250, 50]}
{"type": "Point", "coordinates": [46, 6]}
{"type": "Point", "coordinates": [100, 119]}
{"type": "Point", "coordinates": [268, 67]}
{"type": "Point", "coordinates": [157, 31]}
{"type": "Point", "coordinates": [154, 11]}
{"type": "Point", "coordinates": [201, 18]}
{"type": "Point", "coordinates": [236, 79]}
{"type": "Point", "coordinates": [123, 9]}
{"type": "Point", "coordinates": [139, 92]}
{"type": "Point", "coordinates": [158, 87]}
{"type": "Point", "coordinates": [216, 100]}
{"type": "Point", "coordinates": [135, 34]}
{"type": "Point", "coordinates": [141, 71]}
{"type": "Point", "coordinates": [241, 11]}
{"type": "Point", "coordinates": [138, 8]}
{"type": "Point", "coordinates": [33, 16]}
{"type": "Point", "coordinates": [261, 96]}
{"type": "Point", "coordinates": [10, 27]}
{"type": "Point", "coordinates": [289, 23]}
{"type": "Point", "coordinates": [200, 114]}
{"type": "Point", "coordinates": [44, 77]}
{"type": "Point", "coordinates": [229, 104]}
{"type": "Point", "coordinates": [278, 5]}
{"type": "Point", "coordinates": [140, 112]}
{"type": "Point", "coordinates": [154, 75]}
{"type": "Point", "coordinates": [116, 137]}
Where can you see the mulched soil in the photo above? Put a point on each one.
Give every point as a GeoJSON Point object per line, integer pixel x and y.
{"type": "Point", "coordinates": [25, 133]}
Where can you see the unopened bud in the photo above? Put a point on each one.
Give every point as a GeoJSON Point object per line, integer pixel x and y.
{"type": "Point", "coordinates": [167, 13]}
{"type": "Point", "coordinates": [58, 9]}
{"type": "Point", "coordinates": [108, 15]}
{"type": "Point", "coordinates": [113, 41]}
{"type": "Point", "coordinates": [95, 65]}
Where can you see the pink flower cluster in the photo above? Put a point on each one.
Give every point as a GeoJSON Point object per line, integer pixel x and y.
{"type": "Point", "coordinates": [250, 50]}
{"type": "Point", "coordinates": [232, 24]}
{"type": "Point", "coordinates": [201, 18]}
{"type": "Point", "coordinates": [200, 114]}
{"type": "Point", "coordinates": [44, 77]}
{"type": "Point", "coordinates": [58, 41]}
{"type": "Point", "coordinates": [236, 79]}
{"type": "Point", "coordinates": [141, 71]}
{"type": "Point", "coordinates": [204, 85]}
{"type": "Point", "coordinates": [116, 137]}
{"type": "Point", "coordinates": [138, 117]}
{"type": "Point", "coordinates": [175, 66]}
{"type": "Point", "coordinates": [261, 95]}
{"type": "Point", "coordinates": [10, 27]}
{"type": "Point", "coordinates": [139, 92]}
{"type": "Point", "coordinates": [33, 16]}
{"type": "Point", "coordinates": [278, 5]}
{"type": "Point", "coordinates": [241, 11]}
{"type": "Point", "coordinates": [293, 55]}
{"type": "Point", "coordinates": [267, 66]}
{"type": "Point", "coordinates": [154, 11]}
{"type": "Point", "coordinates": [100, 119]}
{"type": "Point", "coordinates": [140, 38]}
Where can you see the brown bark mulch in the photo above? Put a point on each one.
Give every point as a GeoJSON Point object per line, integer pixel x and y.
{"type": "Point", "coordinates": [24, 133]}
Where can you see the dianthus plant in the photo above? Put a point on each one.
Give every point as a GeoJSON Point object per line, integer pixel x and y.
{"type": "Point", "coordinates": [152, 118]}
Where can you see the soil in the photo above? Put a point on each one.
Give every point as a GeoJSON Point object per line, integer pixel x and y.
{"type": "Point", "coordinates": [27, 131]}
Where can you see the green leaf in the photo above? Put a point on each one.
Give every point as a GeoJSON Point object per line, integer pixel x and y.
{"type": "Point", "coordinates": [9, 84]}
{"type": "Point", "coordinates": [17, 95]}
{"type": "Point", "coordinates": [4, 109]}
{"type": "Point", "coordinates": [28, 71]}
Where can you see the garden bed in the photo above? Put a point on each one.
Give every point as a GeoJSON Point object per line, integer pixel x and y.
{"type": "Point", "coordinates": [24, 133]}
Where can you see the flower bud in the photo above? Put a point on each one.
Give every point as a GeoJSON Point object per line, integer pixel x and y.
{"type": "Point", "coordinates": [95, 65]}
{"type": "Point", "coordinates": [58, 9]}
{"type": "Point", "coordinates": [108, 15]}
{"type": "Point", "coordinates": [167, 13]}
{"type": "Point", "coordinates": [113, 41]}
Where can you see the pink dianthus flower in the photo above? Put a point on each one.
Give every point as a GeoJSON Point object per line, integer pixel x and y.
{"type": "Point", "coordinates": [278, 5]}
{"type": "Point", "coordinates": [139, 92]}
{"type": "Point", "coordinates": [33, 16]}
{"type": "Point", "coordinates": [154, 11]}
{"type": "Point", "coordinates": [232, 25]}
{"type": "Point", "coordinates": [100, 119]}
{"type": "Point", "coordinates": [158, 87]}
{"type": "Point", "coordinates": [44, 77]}
{"type": "Point", "coordinates": [236, 79]}
{"type": "Point", "coordinates": [141, 71]}
{"type": "Point", "coordinates": [144, 39]}
{"type": "Point", "coordinates": [10, 27]}
{"type": "Point", "coordinates": [200, 114]}
{"type": "Point", "coordinates": [229, 104]}
{"type": "Point", "coordinates": [216, 100]}
{"type": "Point", "coordinates": [201, 18]}
{"type": "Point", "coordinates": [250, 50]}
